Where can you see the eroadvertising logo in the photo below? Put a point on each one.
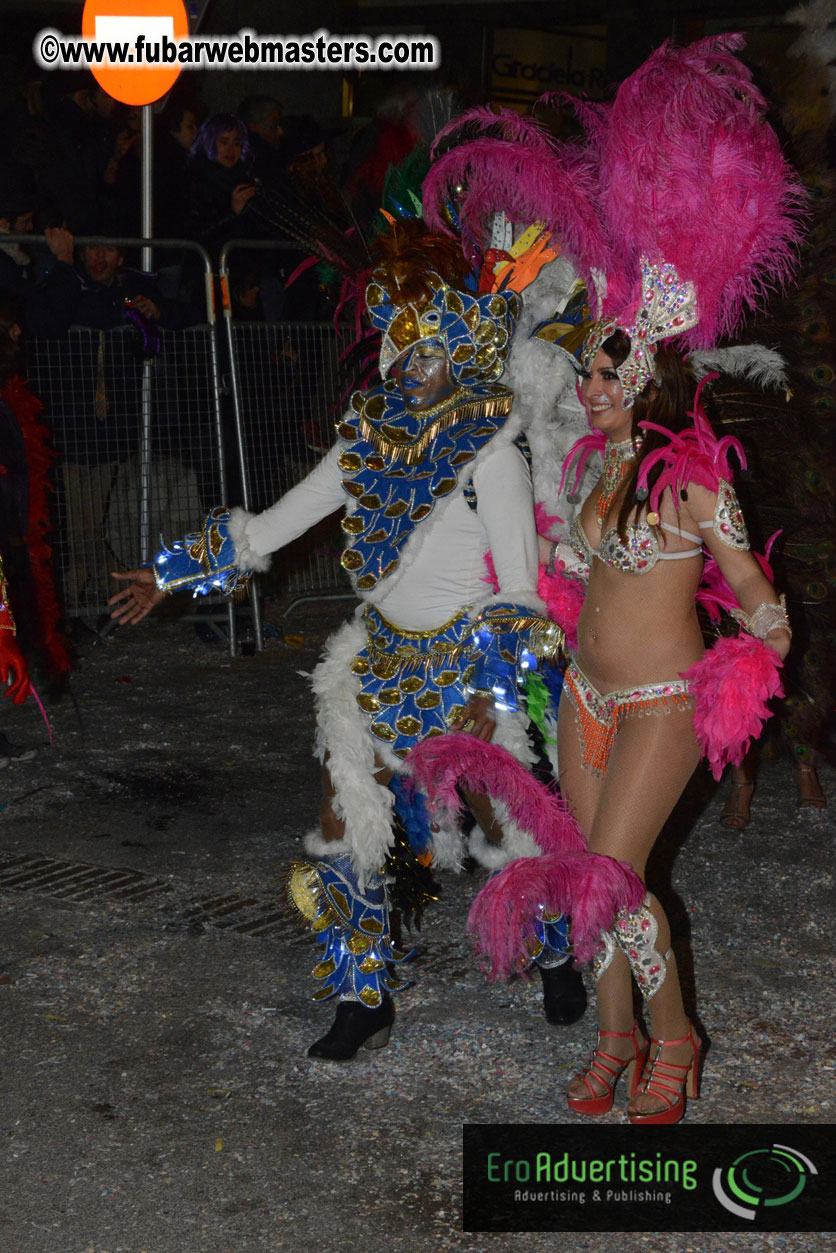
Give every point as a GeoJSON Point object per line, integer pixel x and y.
{"type": "Point", "coordinates": [611, 1177]}
{"type": "Point", "coordinates": [768, 1177]}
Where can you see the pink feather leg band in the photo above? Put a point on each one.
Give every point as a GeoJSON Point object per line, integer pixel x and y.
{"type": "Point", "coordinates": [566, 879]}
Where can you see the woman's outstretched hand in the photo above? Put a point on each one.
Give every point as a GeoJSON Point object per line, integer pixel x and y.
{"type": "Point", "coordinates": [136, 600]}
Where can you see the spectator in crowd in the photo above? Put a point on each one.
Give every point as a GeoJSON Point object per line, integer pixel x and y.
{"type": "Point", "coordinates": [175, 133]}
{"type": "Point", "coordinates": [18, 201]}
{"type": "Point", "coordinates": [262, 116]}
{"type": "Point", "coordinates": [180, 273]}
{"type": "Point", "coordinates": [102, 293]}
{"type": "Point", "coordinates": [220, 182]}
{"type": "Point", "coordinates": [306, 164]}
{"type": "Point", "coordinates": [119, 185]}
{"type": "Point", "coordinates": [61, 151]}
{"type": "Point", "coordinates": [96, 422]}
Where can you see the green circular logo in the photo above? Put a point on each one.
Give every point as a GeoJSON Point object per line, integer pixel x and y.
{"type": "Point", "coordinates": [762, 1178]}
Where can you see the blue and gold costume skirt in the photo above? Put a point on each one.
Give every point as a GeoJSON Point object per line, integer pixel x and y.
{"type": "Point", "coordinates": [412, 682]}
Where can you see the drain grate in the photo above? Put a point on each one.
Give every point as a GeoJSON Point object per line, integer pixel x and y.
{"type": "Point", "coordinates": [76, 881]}
{"type": "Point", "coordinates": [242, 914]}
{"type": "Point", "coordinates": [80, 881]}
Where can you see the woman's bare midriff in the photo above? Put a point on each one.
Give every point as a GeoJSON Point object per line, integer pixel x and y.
{"type": "Point", "coordinates": [639, 628]}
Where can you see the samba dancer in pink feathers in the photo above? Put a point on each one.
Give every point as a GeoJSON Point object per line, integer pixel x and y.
{"type": "Point", "coordinates": [637, 635]}
{"type": "Point", "coordinates": [703, 214]}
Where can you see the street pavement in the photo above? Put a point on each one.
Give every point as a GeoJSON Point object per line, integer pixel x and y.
{"type": "Point", "coordinates": [155, 992]}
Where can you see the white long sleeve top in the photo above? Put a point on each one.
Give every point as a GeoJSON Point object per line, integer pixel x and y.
{"type": "Point", "coordinates": [442, 568]}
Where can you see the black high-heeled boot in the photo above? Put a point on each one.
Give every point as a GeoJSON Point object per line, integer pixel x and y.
{"type": "Point", "coordinates": [355, 1026]}
{"type": "Point", "coordinates": [564, 994]}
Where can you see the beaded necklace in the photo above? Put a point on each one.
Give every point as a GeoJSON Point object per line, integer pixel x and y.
{"type": "Point", "coordinates": [617, 459]}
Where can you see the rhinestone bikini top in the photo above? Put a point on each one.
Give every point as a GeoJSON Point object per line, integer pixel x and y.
{"type": "Point", "coordinates": [640, 552]}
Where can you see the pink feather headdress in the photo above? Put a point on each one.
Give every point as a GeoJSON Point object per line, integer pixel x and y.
{"type": "Point", "coordinates": [487, 162]}
{"type": "Point", "coordinates": [692, 176]}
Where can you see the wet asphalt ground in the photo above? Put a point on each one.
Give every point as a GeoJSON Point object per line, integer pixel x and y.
{"type": "Point", "coordinates": [155, 996]}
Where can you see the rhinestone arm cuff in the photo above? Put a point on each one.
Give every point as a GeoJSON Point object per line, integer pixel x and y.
{"type": "Point", "coordinates": [203, 562]}
{"type": "Point", "coordinates": [766, 618]}
{"type": "Point", "coordinates": [508, 641]}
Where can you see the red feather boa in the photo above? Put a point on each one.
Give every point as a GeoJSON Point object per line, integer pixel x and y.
{"type": "Point", "coordinates": [39, 459]}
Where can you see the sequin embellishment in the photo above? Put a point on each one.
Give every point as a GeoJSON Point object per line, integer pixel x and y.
{"type": "Point", "coordinates": [729, 525]}
{"type": "Point", "coordinates": [636, 934]}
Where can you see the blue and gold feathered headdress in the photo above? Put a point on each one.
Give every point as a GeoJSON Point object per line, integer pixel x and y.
{"type": "Point", "coordinates": [475, 331]}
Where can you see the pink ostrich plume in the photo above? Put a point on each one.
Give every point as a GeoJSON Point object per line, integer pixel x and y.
{"type": "Point", "coordinates": [702, 182]}
{"type": "Point", "coordinates": [582, 449]}
{"type": "Point", "coordinates": [566, 878]}
{"type": "Point", "coordinates": [503, 161]}
{"type": "Point", "coordinates": [692, 174]}
{"type": "Point", "coordinates": [694, 455]}
{"type": "Point", "coordinates": [714, 592]}
{"type": "Point", "coordinates": [731, 685]}
{"type": "Point", "coordinates": [441, 762]}
{"type": "Point", "coordinates": [587, 887]}
{"type": "Point", "coordinates": [563, 597]}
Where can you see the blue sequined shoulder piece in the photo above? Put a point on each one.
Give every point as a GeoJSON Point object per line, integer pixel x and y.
{"type": "Point", "coordinates": [398, 465]}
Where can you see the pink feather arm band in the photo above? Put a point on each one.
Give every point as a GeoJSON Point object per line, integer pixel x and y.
{"type": "Point", "coordinates": [732, 684]}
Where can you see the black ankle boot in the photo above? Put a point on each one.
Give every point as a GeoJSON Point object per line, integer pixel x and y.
{"type": "Point", "coordinates": [564, 995]}
{"type": "Point", "coordinates": [355, 1026]}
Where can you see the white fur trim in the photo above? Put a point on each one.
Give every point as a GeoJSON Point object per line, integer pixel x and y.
{"type": "Point", "coordinates": [512, 734]}
{"type": "Point", "coordinates": [543, 382]}
{"type": "Point", "coordinates": [316, 845]}
{"type": "Point", "coordinates": [448, 845]}
{"type": "Point", "coordinates": [245, 557]}
{"type": "Point", "coordinates": [515, 843]}
{"type": "Point", "coordinates": [343, 736]}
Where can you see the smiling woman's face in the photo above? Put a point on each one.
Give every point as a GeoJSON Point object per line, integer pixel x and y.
{"type": "Point", "coordinates": [603, 399]}
{"type": "Point", "coordinates": [423, 375]}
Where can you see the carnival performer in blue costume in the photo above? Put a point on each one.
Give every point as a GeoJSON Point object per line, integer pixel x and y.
{"type": "Point", "coordinates": [432, 473]}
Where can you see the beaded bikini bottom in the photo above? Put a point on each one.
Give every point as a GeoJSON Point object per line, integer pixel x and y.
{"type": "Point", "coordinates": [598, 716]}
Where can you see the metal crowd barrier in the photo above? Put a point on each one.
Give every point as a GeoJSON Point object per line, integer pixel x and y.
{"type": "Point", "coordinates": [137, 424]}
{"type": "Point", "coordinates": [286, 387]}
{"type": "Point", "coordinates": [141, 433]}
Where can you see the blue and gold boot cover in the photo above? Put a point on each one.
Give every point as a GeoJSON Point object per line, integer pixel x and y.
{"type": "Point", "coordinates": [352, 924]}
{"type": "Point", "coordinates": [549, 944]}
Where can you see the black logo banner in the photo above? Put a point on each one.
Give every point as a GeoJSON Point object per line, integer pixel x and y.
{"type": "Point", "coordinates": [712, 1177]}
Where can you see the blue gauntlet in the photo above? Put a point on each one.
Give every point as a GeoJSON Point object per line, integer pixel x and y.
{"type": "Point", "coordinates": [203, 562]}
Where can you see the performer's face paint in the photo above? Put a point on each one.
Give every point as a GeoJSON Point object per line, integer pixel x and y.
{"type": "Point", "coordinates": [423, 375]}
{"type": "Point", "coordinates": [602, 397]}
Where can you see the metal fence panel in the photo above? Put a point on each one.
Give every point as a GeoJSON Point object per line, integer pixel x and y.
{"type": "Point", "coordinates": [287, 390]}
{"type": "Point", "coordinates": [287, 378]}
{"type": "Point", "coordinates": [116, 469]}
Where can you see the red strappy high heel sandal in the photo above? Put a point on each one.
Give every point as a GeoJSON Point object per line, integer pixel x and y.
{"type": "Point", "coordinates": [669, 1081]}
{"type": "Point", "coordinates": [606, 1071]}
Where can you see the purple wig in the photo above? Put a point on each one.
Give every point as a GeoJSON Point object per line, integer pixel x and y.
{"type": "Point", "coordinates": [206, 143]}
